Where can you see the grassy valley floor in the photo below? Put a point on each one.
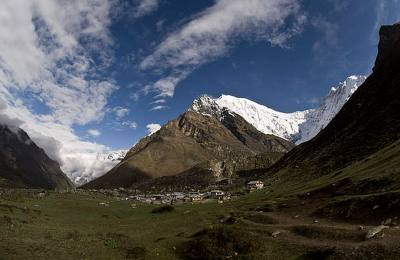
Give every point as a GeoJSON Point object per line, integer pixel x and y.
{"type": "Point", "coordinates": [255, 226]}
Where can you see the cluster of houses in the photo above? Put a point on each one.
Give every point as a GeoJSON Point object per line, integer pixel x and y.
{"type": "Point", "coordinates": [175, 197]}
{"type": "Point", "coordinates": [181, 197]}
{"type": "Point", "coordinates": [255, 185]}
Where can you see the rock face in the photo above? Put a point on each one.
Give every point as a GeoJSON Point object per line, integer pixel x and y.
{"type": "Point", "coordinates": [23, 164]}
{"type": "Point", "coordinates": [297, 127]}
{"type": "Point", "coordinates": [371, 233]}
{"type": "Point", "coordinates": [195, 143]}
{"type": "Point", "coordinates": [368, 122]}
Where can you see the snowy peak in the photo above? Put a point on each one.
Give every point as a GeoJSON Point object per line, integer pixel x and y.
{"type": "Point", "coordinates": [264, 119]}
{"type": "Point", "coordinates": [115, 156]}
{"type": "Point", "coordinates": [346, 88]}
{"type": "Point", "coordinates": [319, 118]}
{"type": "Point", "coordinates": [297, 127]}
{"type": "Point", "coordinates": [206, 105]}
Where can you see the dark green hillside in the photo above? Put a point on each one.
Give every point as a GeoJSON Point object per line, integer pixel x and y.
{"type": "Point", "coordinates": [368, 123]}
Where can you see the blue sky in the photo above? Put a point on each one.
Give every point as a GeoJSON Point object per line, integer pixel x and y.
{"type": "Point", "coordinates": [339, 39]}
{"type": "Point", "coordinates": [92, 75]}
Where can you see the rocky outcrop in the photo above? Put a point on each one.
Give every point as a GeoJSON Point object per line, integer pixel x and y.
{"type": "Point", "coordinates": [388, 48]}
{"type": "Point", "coordinates": [372, 232]}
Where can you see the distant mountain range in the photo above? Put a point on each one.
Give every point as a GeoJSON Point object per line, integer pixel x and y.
{"type": "Point", "coordinates": [195, 149]}
{"type": "Point", "coordinates": [264, 134]}
{"type": "Point", "coordinates": [296, 127]}
{"type": "Point", "coordinates": [218, 137]}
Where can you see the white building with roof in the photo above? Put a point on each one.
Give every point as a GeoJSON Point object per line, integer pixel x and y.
{"type": "Point", "coordinates": [255, 185]}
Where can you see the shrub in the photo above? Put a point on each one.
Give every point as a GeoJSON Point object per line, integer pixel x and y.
{"type": "Point", "coordinates": [220, 243]}
{"type": "Point", "coordinates": [163, 209]}
{"type": "Point", "coordinates": [111, 243]}
{"type": "Point", "coordinates": [136, 253]}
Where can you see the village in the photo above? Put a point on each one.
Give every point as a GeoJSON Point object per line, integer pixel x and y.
{"type": "Point", "coordinates": [172, 198]}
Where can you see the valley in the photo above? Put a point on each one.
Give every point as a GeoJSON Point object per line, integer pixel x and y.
{"type": "Point", "coordinates": [226, 179]}
{"type": "Point", "coordinates": [74, 225]}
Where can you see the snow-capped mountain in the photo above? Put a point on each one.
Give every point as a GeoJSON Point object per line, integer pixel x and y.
{"type": "Point", "coordinates": [319, 118]}
{"type": "Point", "coordinates": [266, 120]}
{"type": "Point", "coordinates": [298, 126]}
{"type": "Point", "coordinates": [114, 156]}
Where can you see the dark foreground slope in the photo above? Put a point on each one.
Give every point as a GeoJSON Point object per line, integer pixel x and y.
{"type": "Point", "coordinates": [363, 131]}
{"type": "Point", "coordinates": [195, 143]}
{"type": "Point", "coordinates": [23, 164]}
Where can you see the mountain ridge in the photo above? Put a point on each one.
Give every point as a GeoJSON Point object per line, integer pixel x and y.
{"type": "Point", "coordinates": [298, 126]}
{"type": "Point", "coordinates": [195, 142]}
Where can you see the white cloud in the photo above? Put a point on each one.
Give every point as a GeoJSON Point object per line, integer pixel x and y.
{"type": "Point", "coordinates": [134, 96]}
{"type": "Point", "coordinates": [159, 107]}
{"type": "Point", "coordinates": [152, 128]}
{"type": "Point", "coordinates": [12, 123]}
{"type": "Point", "coordinates": [159, 101]}
{"type": "Point", "coordinates": [212, 33]}
{"type": "Point", "coordinates": [130, 124]}
{"type": "Point", "coordinates": [146, 7]}
{"type": "Point", "coordinates": [46, 50]}
{"type": "Point", "coordinates": [121, 112]}
{"type": "Point", "coordinates": [94, 132]}
{"type": "Point", "coordinates": [166, 86]}
{"type": "Point", "coordinates": [42, 55]}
